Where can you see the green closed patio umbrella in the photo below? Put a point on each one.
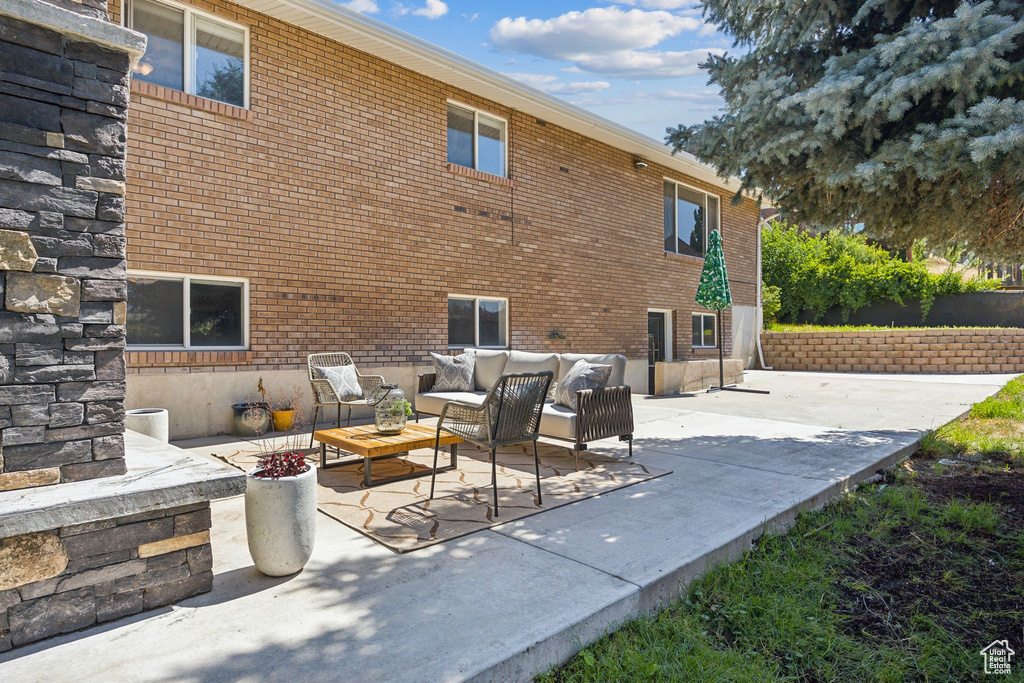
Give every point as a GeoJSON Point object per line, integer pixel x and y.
{"type": "Point", "coordinates": [713, 294]}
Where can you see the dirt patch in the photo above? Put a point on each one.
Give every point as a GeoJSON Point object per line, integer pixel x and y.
{"type": "Point", "coordinates": [889, 584]}
{"type": "Point", "coordinates": [997, 479]}
{"type": "Point", "coordinates": [971, 584]}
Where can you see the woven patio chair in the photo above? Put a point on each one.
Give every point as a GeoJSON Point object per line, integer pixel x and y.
{"type": "Point", "coordinates": [324, 394]}
{"type": "Point", "coordinates": [510, 414]}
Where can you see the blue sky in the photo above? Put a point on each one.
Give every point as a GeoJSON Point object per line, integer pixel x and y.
{"type": "Point", "coordinates": [632, 61]}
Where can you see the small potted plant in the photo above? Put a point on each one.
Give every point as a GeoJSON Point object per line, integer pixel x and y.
{"type": "Point", "coordinates": [280, 509]}
{"type": "Point", "coordinates": [252, 418]}
{"type": "Point", "coordinates": [284, 414]}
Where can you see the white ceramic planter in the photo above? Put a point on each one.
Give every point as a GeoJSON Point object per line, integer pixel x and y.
{"type": "Point", "coordinates": [149, 421]}
{"type": "Point", "coordinates": [280, 521]}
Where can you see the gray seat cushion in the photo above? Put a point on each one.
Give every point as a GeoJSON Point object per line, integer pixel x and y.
{"type": "Point", "coordinates": [434, 401]}
{"type": "Point", "coordinates": [490, 365]}
{"type": "Point", "coordinates": [558, 421]}
{"type": "Point", "coordinates": [617, 361]}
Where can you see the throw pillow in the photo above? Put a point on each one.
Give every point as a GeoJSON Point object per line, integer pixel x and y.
{"type": "Point", "coordinates": [582, 375]}
{"type": "Point", "coordinates": [343, 381]}
{"type": "Point", "coordinates": [454, 373]}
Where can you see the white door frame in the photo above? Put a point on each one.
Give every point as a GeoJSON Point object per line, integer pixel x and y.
{"type": "Point", "coordinates": [668, 329]}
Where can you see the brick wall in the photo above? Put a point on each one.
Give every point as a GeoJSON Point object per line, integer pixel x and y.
{"type": "Point", "coordinates": [333, 194]}
{"type": "Point", "coordinates": [897, 351]}
{"type": "Point", "coordinates": [65, 579]}
{"type": "Point", "coordinates": [62, 255]}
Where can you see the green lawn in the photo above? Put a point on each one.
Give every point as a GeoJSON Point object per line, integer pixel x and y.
{"type": "Point", "coordinates": [902, 580]}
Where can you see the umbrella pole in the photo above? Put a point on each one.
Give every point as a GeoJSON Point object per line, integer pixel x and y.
{"type": "Point", "coordinates": [721, 367]}
{"type": "Point", "coordinates": [721, 361]}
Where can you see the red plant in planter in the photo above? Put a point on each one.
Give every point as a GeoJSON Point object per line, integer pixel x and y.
{"type": "Point", "coordinates": [277, 465]}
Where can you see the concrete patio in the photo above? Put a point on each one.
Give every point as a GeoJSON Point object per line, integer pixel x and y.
{"type": "Point", "coordinates": [506, 603]}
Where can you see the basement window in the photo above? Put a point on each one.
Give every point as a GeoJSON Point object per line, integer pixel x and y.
{"type": "Point", "coordinates": [477, 321]}
{"type": "Point", "coordinates": [205, 312]}
{"type": "Point", "coordinates": [704, 331]}
{"type": "Point", "coordinates": [477, 140]}
{"type": "Point", "coordinates": [191, 51]}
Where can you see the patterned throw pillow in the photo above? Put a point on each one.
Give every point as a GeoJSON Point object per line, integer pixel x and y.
{"type": "Point", "coordinates": [454, 373]}
{"type": "Point", "coordinates": [582, 375]}
{"type": "Point", "coordinates": [343, 381]}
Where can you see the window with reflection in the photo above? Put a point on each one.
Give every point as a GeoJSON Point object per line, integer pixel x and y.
{"type": "Point", "coordinates": [477, 140]}
{"type": "Point", "coordinates": [159, 306]}
{"type": "Point", "coordinates": [690, 216]}
{"type": "Point", "coordinates": [190, 51]}
{"type": "Point", "coordinates": [704, 333]}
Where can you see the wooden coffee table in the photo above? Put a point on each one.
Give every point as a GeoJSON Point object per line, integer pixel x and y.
{"type": "Point", "coordinates": [366, 442]}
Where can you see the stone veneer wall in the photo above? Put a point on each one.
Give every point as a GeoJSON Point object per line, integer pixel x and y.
{"type": "Point", "coordinates": [62, 254]}
{"type": "Point", "coordinates": [65, 579]}
{"type": "Point", "coordinates": [956, 350]}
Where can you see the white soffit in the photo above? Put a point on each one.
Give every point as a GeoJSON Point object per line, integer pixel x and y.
{"type": "Point", "coordinates": [333, 21]}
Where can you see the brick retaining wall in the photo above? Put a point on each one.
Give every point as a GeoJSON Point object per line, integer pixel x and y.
{"type": "Point", "coordinates": [65, 579]}
{"type": "Point", "coordinates": [897, 351]}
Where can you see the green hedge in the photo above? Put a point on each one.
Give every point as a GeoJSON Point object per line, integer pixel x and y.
{"type": "Point", "coordinates": [815, 273]}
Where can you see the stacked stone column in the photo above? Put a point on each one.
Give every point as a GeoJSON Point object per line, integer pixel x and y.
{"type": "Point", "coordinates": [62, 255]}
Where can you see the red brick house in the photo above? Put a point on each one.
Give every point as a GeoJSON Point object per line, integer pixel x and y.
{"type": "Point", "coordinates": [304, 178]}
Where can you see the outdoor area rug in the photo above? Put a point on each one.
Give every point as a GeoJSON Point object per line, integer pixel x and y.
{"type": "Point", "coordinates": [399, 515]}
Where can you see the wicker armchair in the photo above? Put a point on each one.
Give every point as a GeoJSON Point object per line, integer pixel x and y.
{"type": "Point", "coordinates": [510, 414]}
{"type": "Point", "coordinates": [324, 394]}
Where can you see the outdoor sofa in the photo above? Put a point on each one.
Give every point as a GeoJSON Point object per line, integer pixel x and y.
{"type": "Point", "coordinates": [601, 413]}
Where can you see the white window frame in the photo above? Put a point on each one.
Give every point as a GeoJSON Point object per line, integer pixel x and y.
{"type": "Point", "coordinates": [675, 212]}
{"type": "Point", "coordinates": [476, 134]}
{"type": "Point", "coordinates": [189, 41]}
{"type": "Point", "coordinates": [714, 328]}
{"type": "Point", "coordinates": [476, 318]}
{"type": "Point", "coordinates": [186, 290]}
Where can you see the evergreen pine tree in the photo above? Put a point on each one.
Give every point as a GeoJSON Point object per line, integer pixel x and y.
{"type": "Point", "coordinates": [907, 115]}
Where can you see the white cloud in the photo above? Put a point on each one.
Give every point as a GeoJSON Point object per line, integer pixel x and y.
{"type": "Point", "coordinates": [551, 84]}
{"type": "Point", "coordinates": [471, 17]}
{"type": "Point", "coordinates": [645, 64]}
{"type": "Point", "coordinates": [432, 10]}
{"type": "Point", "coordinates": [659, 4]}
{"type": "Point", "coordinates": [606, 40]}
{"type": "Point", "coordinates": [598, 29]}
{"type": "Point", "coordinates": [367, 6]}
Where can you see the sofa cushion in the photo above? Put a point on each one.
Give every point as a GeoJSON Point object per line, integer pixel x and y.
{"type": "Point", "coordinates": [524, 361]}
{"type": "Point", "coordinates": [558, 421]}
{"type": "Point", "coordinates": [432, 402]}
{"type": "Point", "coordinates": [490, 364]}
{"type": "Point", "coordinates": [453, 373]}
{"type": "Point", "coordinates": [581, 376]}
{"type": "Point", "coordinates": [617, 361]}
